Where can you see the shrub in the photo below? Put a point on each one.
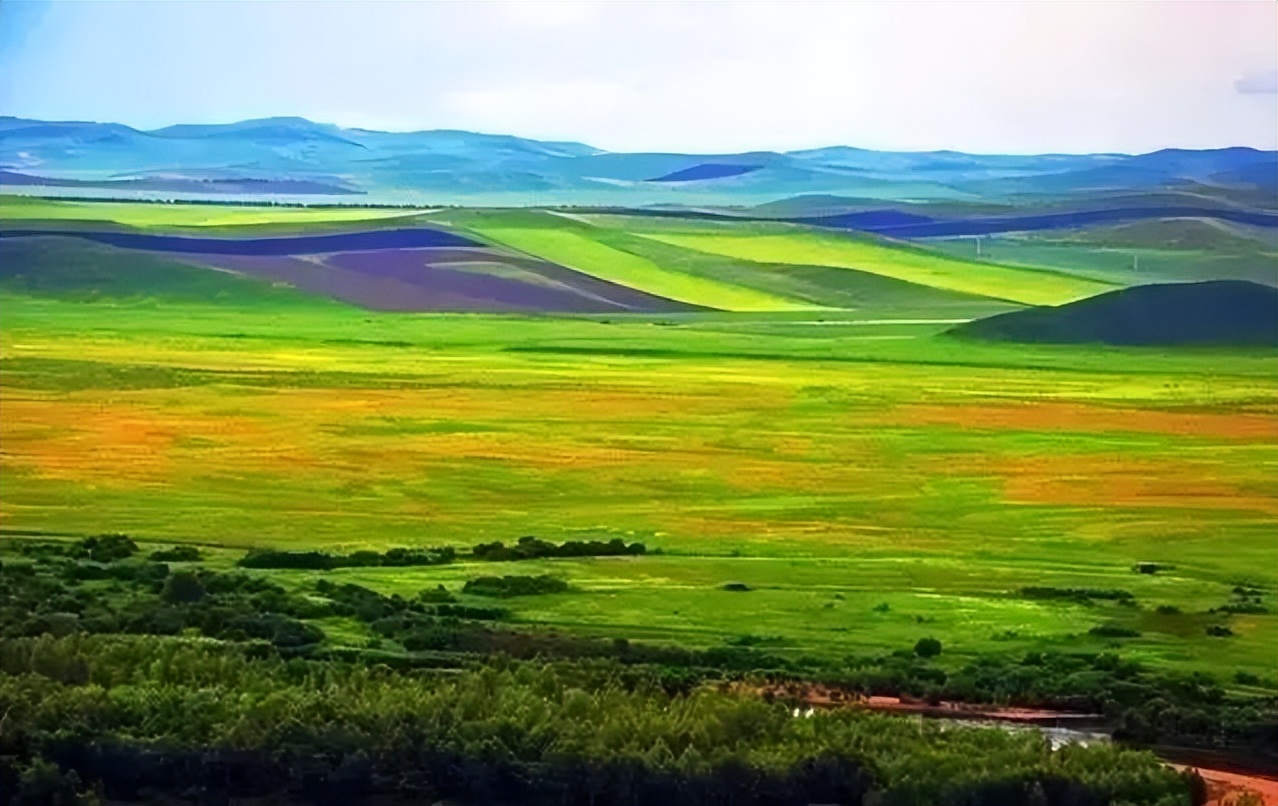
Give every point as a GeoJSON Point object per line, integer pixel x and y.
{"type": "Point", "coordinates": [184, 587]}
{"type": "Point", "coordinates": [509, 586]}
{"type": "Point", "coordinates": [138, 572]}
{"type": "Point", "coordinates": [1113, 631]}
{"type": "Point", "coordinates": [323, 561]}
{"type": "Point", "coordinates": [269, 558]}
{"type": "Point", "coordinates": [1080, 595]}
{"type": "Point", "coordinates": [282, 631]}
{"type": "Point", "coordinates": [532, 548]}
{"type": "Point", "coordinates": [927, 648]}
{"type": "Point", "coordinates": [736, 586]}
{"type": "Point", "coordinates": [105, 548]}
{"type": "Point", "coordinates": [436, 595]}
{"type": "Point", "coordinates": [1219, 631]}
{"type": "Point", "coordinates": [177, 554]}
{"type": "Point", "coordinates": [1244, 607]}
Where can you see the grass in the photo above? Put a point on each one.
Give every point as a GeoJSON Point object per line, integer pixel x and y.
{"type": "Point", "coordinates": [63, 268]}
{"type": "Point", "coordinates": [845, 289]}
{"type": "Point", "coordinates": [903, 471]}
{"type": "Point", "coordinates": [755, 267]}
{"type": "Point", "coordinates": [903, 263]}
{"type": "Point", "coordinates": [831, 466]}
{"type": "Point", "coordinates": [1170, 250]}
{"type": "Point", "coordinates": [575, 249]}
{"type": "Point", "coordinates": [23, 208]}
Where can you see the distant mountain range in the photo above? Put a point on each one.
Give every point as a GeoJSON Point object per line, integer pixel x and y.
{"type": "Point", "coordinates": [297, 158]}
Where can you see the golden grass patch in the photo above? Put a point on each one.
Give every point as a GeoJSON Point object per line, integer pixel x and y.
{"type": "Point", "coordinates": [1111, 480]}
{"type": "Point", "coordinates": [1080, 417]}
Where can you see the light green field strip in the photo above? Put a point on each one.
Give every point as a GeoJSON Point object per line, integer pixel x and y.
{"type": "Point", "coordinates": [580, 252]}
{"type": "Point", "coordinates": [16, 208]}
{"type": "Point", "coordinates": [802, 248]}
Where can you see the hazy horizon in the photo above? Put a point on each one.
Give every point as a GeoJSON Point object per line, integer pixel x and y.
{"type": "Point", "coordinates": [579, 141]}
{"type": "Point", "coordinates": [982, 78]}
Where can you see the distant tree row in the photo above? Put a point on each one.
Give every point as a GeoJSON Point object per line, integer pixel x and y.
{"type": "Point", "coordinates": [534, 548]}
{"type": "Point", "coordinates": [324, 561]}
{"type": "Point", "coordinates": [527, 548]}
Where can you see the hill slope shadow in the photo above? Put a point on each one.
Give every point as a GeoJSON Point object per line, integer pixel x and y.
{"type": "Point", "coordinates": [1215, 312]}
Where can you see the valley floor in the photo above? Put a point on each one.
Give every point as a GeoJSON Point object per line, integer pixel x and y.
{"type": "Point", "coordinates": [871, 484]}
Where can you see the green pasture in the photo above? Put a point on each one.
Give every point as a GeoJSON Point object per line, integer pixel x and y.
{"type": "Point", "coordinates": [30, 208]}
{"type": "Point", "coordinates": [758, 266]}
{"type": "Point", "coordinates": [773, 453]}
{"type": "Point", "coordinates": [831, 460]}
{"type": "Point", "coordinates": [577, 251]}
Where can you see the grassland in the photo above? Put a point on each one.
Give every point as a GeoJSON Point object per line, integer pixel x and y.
{"type": "Point", "coordinates": [1000, 282]}
{"type": "Point", "coordinates": [810, 286]}
{"type": "Point", "coordinates": [1175, 250]}
{"type": "Point", "coordinates": [833, 467]}
{"type": "Point", "coordinates": [21, 208]}
{"type": "Point", "coordinates": [581, 252]}
{"type": "Point", "coordinates": [773, 261]}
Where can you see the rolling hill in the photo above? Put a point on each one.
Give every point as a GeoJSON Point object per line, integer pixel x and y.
{"type": "Point", "coordinates": [898, 261]}
{"type": "Point", "coordinates": [1218, 313]}
{"type": "Point", "coordinates": [380, 270]}
{"type": "Point", "coordinates": [525, 260]}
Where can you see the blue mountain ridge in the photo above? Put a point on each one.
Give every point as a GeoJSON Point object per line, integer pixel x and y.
{"type": "Point", "coordinates": [292, 156]}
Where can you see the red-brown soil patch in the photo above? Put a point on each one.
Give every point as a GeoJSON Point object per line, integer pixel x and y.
{"type": "Point", "coordinates": [1227, 788]}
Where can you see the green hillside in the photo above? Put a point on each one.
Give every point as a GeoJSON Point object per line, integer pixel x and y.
{"type": "Point", "coordinates": [911, 264]}
{"type": "Point", "coordinates": [74, 269]}
{"type": "Point", "coordinates": [579, 247]}
{"type": "Point", "coordinates": [750, 266]}
{"type": "Point", "coordinates": [846, 289]}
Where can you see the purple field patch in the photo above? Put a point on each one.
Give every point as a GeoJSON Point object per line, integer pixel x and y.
{"type": "Point", "coordinates": [428, 280]}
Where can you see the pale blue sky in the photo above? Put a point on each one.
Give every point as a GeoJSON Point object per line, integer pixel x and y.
{"type": "Point", "coordinates": [717, 76]}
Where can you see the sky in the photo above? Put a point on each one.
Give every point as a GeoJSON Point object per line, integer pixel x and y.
{"type": "Point", "coordinates": [1024, 76]}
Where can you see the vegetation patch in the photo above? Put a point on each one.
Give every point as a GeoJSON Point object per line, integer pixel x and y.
{"type": "Point", "coordinates": [1084, 596]}
{"type": "Point", "coordinates": [527, 548]}
{"type": "Point", "coordinates": [505, 587]}
{"type": "Point", "coordinates": [1113, 631]}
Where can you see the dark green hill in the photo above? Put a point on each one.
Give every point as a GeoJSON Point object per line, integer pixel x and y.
{"type": "Point", "coordinates": [1216, 312]}
{"type": "Point", "coordinates": [69, 268]}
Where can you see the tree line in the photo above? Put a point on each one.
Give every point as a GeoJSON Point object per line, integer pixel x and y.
{"type": "Point", "coordinates": [526, 548]}
{"type": "Point", "coordinates": [79, 614]}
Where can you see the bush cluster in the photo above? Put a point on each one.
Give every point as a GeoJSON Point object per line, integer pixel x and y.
{"type": "Point", "coordinates": [506, 587]}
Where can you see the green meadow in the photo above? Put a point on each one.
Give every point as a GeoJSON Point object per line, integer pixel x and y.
{"type": "Point", "coordinates": [765, 266]}
{"type": "Point", "coordinates": [869, 479]}
{"type": "Point", "coordinates": [20, 209]}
